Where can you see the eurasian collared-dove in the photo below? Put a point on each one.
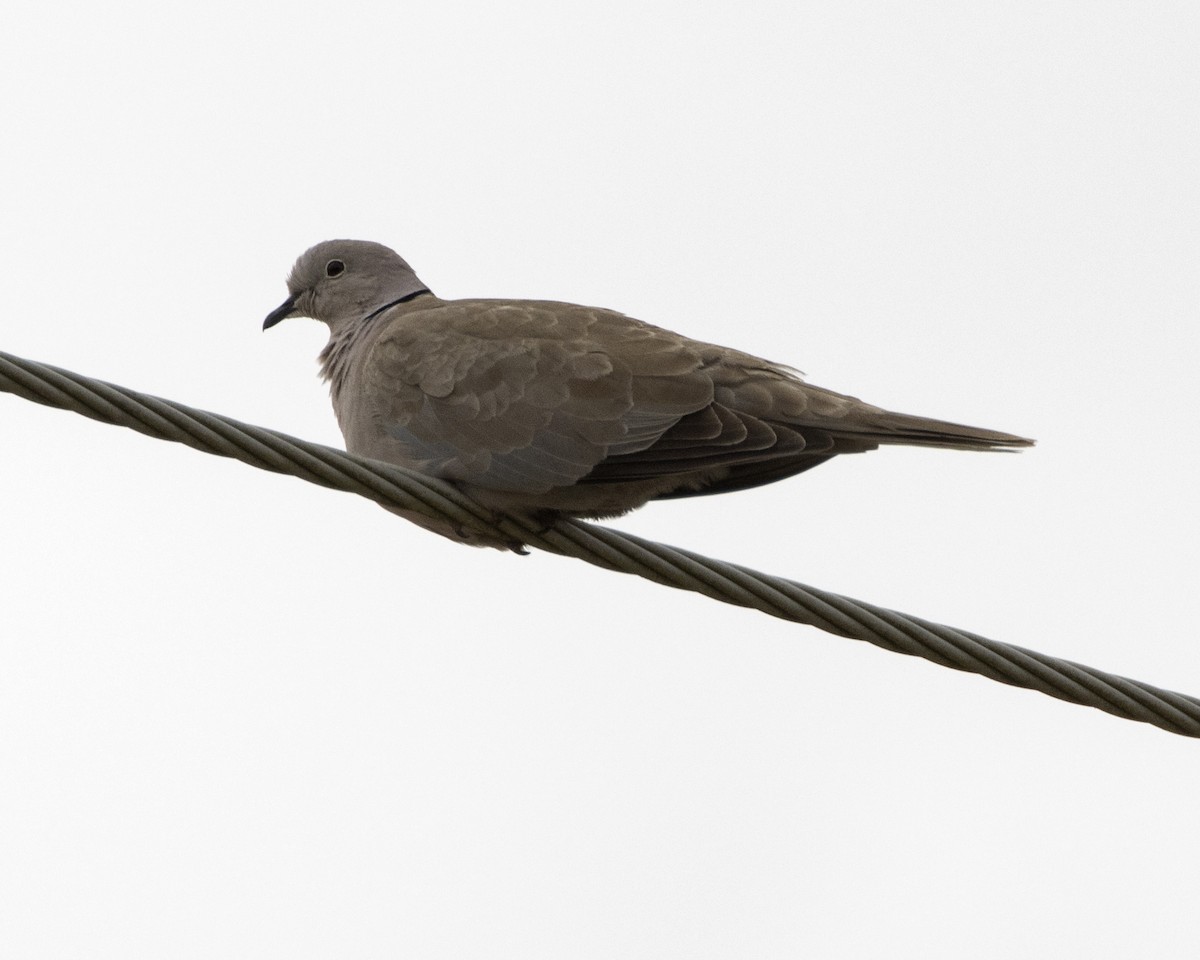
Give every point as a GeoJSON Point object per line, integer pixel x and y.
{"type": "Point", "coordinates": [551, 409]}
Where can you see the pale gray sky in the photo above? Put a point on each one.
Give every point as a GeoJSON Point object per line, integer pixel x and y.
{"type": "Point", "coordinates": [244, 716]}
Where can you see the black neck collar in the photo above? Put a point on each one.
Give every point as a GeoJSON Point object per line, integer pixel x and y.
{"type": "Point", "coordinates": [388, 306]}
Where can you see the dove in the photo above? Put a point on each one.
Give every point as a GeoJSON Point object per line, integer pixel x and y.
{"type": "Point", "coordinates": [540, 409]}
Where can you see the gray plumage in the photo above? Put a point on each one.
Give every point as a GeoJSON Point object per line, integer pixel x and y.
{"type": "Point", "coordinates": [553, 409]}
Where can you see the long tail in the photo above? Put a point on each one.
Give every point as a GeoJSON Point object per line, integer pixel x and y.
{"type": "Point", "coordinates": [884, 427]}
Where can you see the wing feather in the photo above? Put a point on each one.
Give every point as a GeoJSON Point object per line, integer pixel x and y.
{"type": "Point", "coordinates": [527, 397]}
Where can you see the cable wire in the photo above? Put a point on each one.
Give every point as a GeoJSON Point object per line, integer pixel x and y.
{"type": "Point", "coordinates": [611, 549]}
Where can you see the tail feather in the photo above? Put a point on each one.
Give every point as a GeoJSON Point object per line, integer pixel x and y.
{"type": "Point", "coordinates": [885, 427]}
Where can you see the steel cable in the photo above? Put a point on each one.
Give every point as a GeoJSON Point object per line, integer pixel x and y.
{"type": "Point", "coordinates": [604, 547]}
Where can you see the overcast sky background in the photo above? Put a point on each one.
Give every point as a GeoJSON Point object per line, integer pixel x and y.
{"type": "Point", "coordinates": [244, 716]}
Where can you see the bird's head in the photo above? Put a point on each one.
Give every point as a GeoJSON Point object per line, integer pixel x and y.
{"type": "Point", "coordinates": [341, 282]}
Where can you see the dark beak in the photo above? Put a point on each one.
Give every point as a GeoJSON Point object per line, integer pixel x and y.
{"type": "Point", "coordinates": [281, 312]}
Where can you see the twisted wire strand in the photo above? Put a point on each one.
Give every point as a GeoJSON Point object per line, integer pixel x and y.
{"type": "Point", "coordinates": [604, 547]}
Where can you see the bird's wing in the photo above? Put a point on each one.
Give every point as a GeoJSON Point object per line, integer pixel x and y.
{"type": "Point", "coordinates": [528, 396]}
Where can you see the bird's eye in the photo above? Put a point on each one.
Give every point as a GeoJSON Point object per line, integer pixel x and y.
{"type": "Point", "coordinates": [334, 267]}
